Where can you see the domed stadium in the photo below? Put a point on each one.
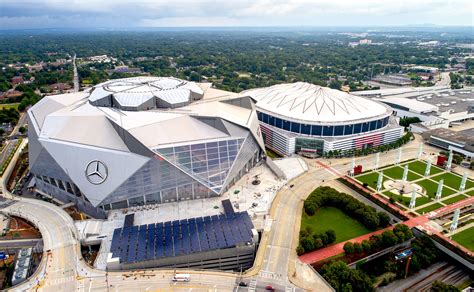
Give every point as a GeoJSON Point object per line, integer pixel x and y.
{"type": "Point", "coordinates": [303, 117]}
{"type": "Point", "coordinates": [142, 140]}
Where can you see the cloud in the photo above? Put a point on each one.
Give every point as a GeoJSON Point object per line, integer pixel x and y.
{"type": "Point", "coordinates": [141, 13]}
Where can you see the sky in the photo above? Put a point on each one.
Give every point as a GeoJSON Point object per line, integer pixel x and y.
{"type": "Point", "coordinates": [31, 14]}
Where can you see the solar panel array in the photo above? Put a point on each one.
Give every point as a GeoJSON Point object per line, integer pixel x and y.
{"type": "Point", "coordinates": [175, 238]}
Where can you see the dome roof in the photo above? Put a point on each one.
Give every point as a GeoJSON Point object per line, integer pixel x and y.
{"type": "Point", "coordinates": [139, 93]}
{"type": "Point", "coordinates": [313, 104]}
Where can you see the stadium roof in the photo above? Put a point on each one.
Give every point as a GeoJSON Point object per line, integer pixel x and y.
{"type": "Point", "coordinates": [313, 104]}
{"type": "Point", "coordinates": [136, 91]}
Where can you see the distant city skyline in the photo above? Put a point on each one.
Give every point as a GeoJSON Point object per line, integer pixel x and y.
{"type": "Point", "coordinates": [30, 14]}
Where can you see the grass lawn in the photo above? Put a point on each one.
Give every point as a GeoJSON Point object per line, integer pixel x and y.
{"type": "Point", "coordinates": [470, 193]}
{"type": "Point", "coordinates": [332, 218]}
{"type": "Point", "coordinates": [370, 179]}
{"type": "Point", "coordinates": [406, 200]}
{"type": "Point", "coordinates": [429, 208]}
{"type": "Point", "coordinates": [396, 172]}
{"type": "Point", "coordinates": [420, 167]}
{"type": "Point", "coordinates": [453, 180]}
{"type": "Point", "coordinates": [9, 105]}
{"type": "Point", "coordinates": [454, 199]}
{"type": "Point", "coordinates": [431, 187]}
{"type": "Point", "coordinates": [465, 238]}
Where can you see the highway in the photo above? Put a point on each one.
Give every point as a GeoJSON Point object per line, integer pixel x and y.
{"type": "Point", "coordinates": [76, 75]}
{"type": "Point", "coordinates": [444, 80]}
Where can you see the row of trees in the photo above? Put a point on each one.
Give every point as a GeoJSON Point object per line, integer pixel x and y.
{"type": "Point", "coordinates": [342, 278]}
{"type": "Point", "coordinates": [399, 234]}
{"type": "Point", "coordinates": [327, 196]}
{"type": "Point", "coordinates": [366, 151]}
{"type": "Point", "coordinates": [9, 115]}
{"type": "Point", "coordinates": [310, 241]}
{"type": "Point", "coordinates": [406, 121]}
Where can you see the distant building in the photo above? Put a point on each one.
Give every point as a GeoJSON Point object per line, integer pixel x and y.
{"type": "Point", "coordinates": [393, 79]}
{"type": "Point", "coordinates": [35, 67]}
{"type": "Point", "coordinates": [17, 80]}
{"type": "Point", "coordinates": [60, 87]}
{"type": "Point", "coordinates": [11, 94]}
{"type": "Point", "coordinates": [424, 70]}
{"type": "Point", "coordinates": [125, 69]}
{"type": "Point", "coordinates": [460, 142]}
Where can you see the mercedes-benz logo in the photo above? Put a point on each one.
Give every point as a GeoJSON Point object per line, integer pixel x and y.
{"type": "Point", "coordinates": [96, 172]}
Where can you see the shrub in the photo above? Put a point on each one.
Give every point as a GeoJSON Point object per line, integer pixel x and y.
{"type": "Point", "coordinates": [358, 247]}
{"type": "Point", "coordinates": [299, 250]}
{"type": "Point", "coordinates": [348, 247]}
{"type": "Point", "coordinates": [366, 246]}
{"type": "Point", "coordinates": [331, 236]}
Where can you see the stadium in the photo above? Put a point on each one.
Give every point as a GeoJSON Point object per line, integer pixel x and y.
{"type": "Point", "coordinates": [141, 140]}
{"type": "Point", "coordinates": [309, 119]}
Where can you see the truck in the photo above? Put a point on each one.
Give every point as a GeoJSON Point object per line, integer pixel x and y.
{"type": "Point", "coordinates": [181, 278]}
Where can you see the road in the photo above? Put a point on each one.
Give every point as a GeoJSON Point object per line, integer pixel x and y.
{"type": "Point", "coordinates": [17, 243]}
{"type": "Point", "coordinates": [76, 75]}
{"type": "Point", "coordinates": [445, 80]}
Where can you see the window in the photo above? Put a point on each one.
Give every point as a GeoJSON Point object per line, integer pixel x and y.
{"type": "Point", "coordinates": [295, 127]}
{"type": "Point", "coordinates": [271, 120]}
{"type": "Point", "coordinates": [348, 129]}
{"type": "Point", "coordinates": [357, 128]}
{"type": "Point", "coordinates": [327, 131]}
{"type": "Point", "coordinates": [373, 125]}
{"type": "Point", "coordinates": [365, 127]}
{"type": "Point", "coordinates": [286, 125]}
{"type": "Point", "coordinates": [316, 130]}
{"type": "Point", "coordinates": [278, 123]}
{"type": "Point", "coordinates": [306, 129]}
{"type": "Point", "coordinates": [338, 130]}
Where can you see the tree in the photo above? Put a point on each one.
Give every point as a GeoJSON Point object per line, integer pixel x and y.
{"type": "Point", "coordinates": [439, 286]}
{"type": "Point", "coordinates": [331, 236]}
{"type": "Point", "coordinates": [389, 238]}
{"type": "Point", "coordinates": [22, 129]}
{"type": "Point", "coordinates": [358, 247]}
{"type": "Point", "coordinates": [342, 278]}
{"type": "Point", "coordinates": [366, 246]}
{"type": "Point", "coordinates": [299, 250]}
{"type": "Point", "coordinates": [348, 247]}
{"type": "Point", "coordinates": [307, 243]}
{"type": "Point", "coordinates": [384, 219]}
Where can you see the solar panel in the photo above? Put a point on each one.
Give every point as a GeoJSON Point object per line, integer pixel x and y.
{"type": "Point", "coordinates": [229, 238]}
{"type": "Point", "coordinates": [228, 209]}
{"type": "Point", "coordinates": [150, 243]}
{"type": "Point", "coordinates": [175, 238]}
{"type": "Point", "coordinates": [168, 240]}
{"type": "Point", "coordinates": [159, 249]}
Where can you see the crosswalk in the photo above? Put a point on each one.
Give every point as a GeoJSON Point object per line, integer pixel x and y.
{"type": "Point", "coordinates": [60, 280]}
{"type": "Point", "coordinates": [253, 285]}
